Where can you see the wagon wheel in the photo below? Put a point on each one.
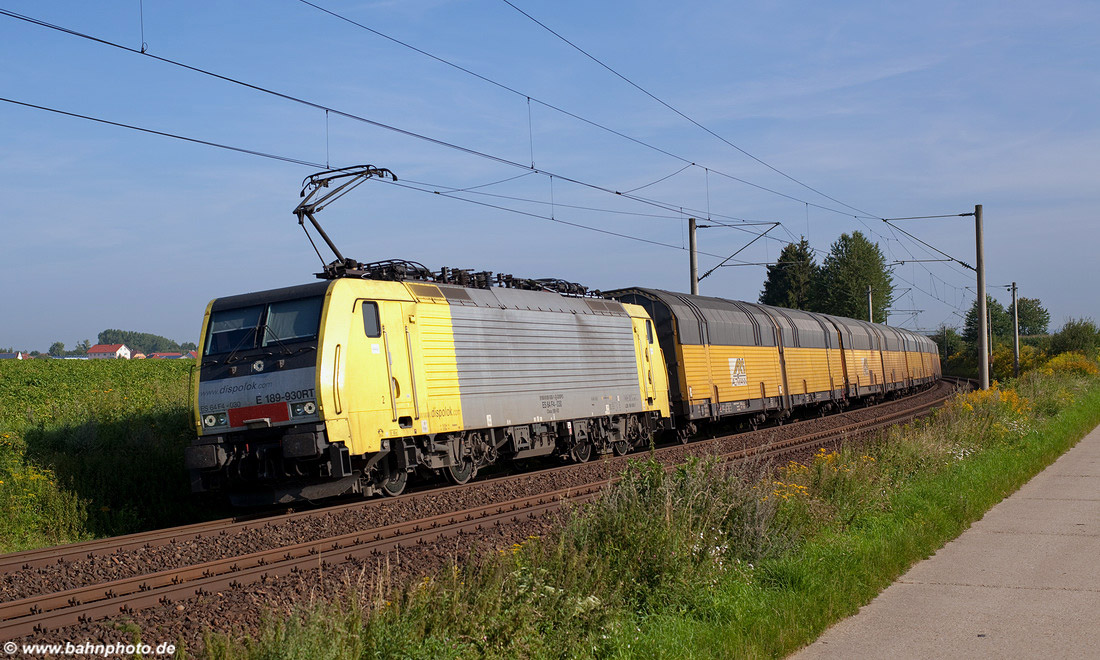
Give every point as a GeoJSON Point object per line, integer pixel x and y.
{"type": "Point", "coordinates": [684, 433]}
{"type": "Point", "coordinates": [620, 447]}
{"type": "Point", "coordinates": [461, 472]}
{"type": "Point", "coordinates": [582, 451]}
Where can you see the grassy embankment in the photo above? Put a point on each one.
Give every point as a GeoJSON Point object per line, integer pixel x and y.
{"type": "Point", "coordinates": [92, 448]}
{"type": "Point", "coordinates": [705, 562]}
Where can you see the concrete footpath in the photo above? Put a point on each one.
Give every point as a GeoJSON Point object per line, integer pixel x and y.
{"type": "Point", "coordinates": [1022, 582]}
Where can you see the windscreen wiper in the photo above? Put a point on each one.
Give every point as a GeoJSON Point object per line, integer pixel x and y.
{"type": "Point", "coordinates": [233, 353]}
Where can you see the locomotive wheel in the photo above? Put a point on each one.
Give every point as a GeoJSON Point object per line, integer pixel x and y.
{"type": "Point", "coordinates": [393, 481]}
{"type": "Point", "coordinates": [582, 452]}
{"type": "Point", "coordinates": [461, 473]}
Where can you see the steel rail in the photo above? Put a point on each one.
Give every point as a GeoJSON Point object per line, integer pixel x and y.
{"type": "Point", "coordinates": [42, 613]}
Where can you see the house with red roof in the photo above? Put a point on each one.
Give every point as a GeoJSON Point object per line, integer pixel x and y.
{"type": "Point", "coordinates": [109, 352]}
{"type": "Point", "coordinates": [165, 356]}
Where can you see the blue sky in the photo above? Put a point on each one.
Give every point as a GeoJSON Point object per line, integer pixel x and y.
{"type": "Point", "coordinates": [897, 109]}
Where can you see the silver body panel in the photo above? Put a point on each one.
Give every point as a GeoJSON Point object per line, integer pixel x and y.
{"type": "Point", "coordinates": [525, 357]}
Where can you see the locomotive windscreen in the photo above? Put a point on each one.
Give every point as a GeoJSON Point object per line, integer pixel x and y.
{"type": "Point", "coordinates": [256, 326]}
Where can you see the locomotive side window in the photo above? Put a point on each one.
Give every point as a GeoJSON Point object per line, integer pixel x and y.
{"type": "Point", "coordinates": [231, 329]}
{"type": "Point", "coordinates": [371, 324]}
{"type": "Point", "coordinates": [292, 320]}
{"type": "Point", "coordinates": [649, 331]}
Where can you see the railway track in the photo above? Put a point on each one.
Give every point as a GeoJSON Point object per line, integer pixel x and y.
{"type": "Point", "coordinates": [37, 614]}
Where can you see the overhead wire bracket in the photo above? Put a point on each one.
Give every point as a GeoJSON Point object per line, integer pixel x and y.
{"type": "Point", "coordinates": [741, 249]}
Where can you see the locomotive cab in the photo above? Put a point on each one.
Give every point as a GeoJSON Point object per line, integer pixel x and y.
{"type": "Point", "coordinates": [257, 411]}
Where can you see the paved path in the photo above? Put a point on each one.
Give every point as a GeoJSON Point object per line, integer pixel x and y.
{"type": "Point", "coordinates": [1022, 582]}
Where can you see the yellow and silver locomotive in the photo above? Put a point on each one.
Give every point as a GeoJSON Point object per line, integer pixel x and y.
{"type": "Point", "coordinates": [350, 385]}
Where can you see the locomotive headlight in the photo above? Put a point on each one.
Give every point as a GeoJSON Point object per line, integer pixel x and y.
{"type": "Point", "coordinates": [303, 408]}
{"type": "Point", "coordinates": [218, 419]}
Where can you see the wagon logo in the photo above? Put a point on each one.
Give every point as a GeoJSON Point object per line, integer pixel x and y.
{"type": "Point", "coordinates": [738, 376]}
{"type": "Point", "coordinates": [866, 368]}
{"type": "Point", "coordinates": [258, 366]}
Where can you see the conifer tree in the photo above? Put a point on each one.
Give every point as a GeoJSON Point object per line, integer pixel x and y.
{"type": "Point", "coordinates": [852, 264]}
{"type": "Point", "coordinates": [792, 281]}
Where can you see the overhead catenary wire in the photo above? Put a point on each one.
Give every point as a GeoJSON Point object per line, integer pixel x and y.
{"type": "Point", "coordinates": [174, 136]}
{"type": "Point", "coordinates": [348, 115]}
{"type": "Point", "coordinates": [565, 112]}
{"type": "Point", "coordinates": [447, 194]}
{"type": "Point", "coordinates": [931, 247]}
{"type": "Point", "coordinates": [551, 218]}
{"type": "Point", "coordinates": [678, 112]}
{"type": "Point", "coordinates": [327, 109]}
{"type": "Point", "coordinates": [528, 170]}
{"type": "Point", "coordinates": [664, 178]}
{"type": "Point", "coordinates": [296, 161]}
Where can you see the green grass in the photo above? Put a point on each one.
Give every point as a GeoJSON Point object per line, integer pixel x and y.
{"type": "Point", "coordinates": [92, 448]}
{"type": "Point", "coordinates": [789, 601]}
{"type": "Point", "coordinates": [705, 562]}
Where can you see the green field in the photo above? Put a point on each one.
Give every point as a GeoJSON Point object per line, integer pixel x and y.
{"type": "Point", "coordinates": [93, 448]}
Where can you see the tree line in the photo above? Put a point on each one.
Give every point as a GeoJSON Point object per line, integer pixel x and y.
{"type": "Point", "coordinates": [137, 342]}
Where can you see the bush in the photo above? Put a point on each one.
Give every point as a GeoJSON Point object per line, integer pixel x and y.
{"type": "Point", "coordinates": [1076, 336]}
{"type": "Point", "coordinates": [1072, 363]}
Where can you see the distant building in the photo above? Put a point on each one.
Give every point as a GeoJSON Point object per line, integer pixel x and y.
{"type": "Point", "coordinates": [165, 356]}
{"type": "Point", "coordinates": [15, 356]}
{"type": "Point", "coordinates": [138, 356]}
{"type": "Point", "coordinates": [109, 352]}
